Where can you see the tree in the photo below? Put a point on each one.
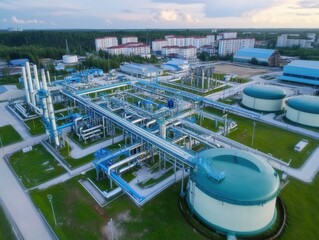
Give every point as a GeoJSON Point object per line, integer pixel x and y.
{"type": "Point", "coordinates": [254, 61]}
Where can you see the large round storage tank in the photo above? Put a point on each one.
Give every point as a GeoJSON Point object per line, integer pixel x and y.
{"type": "Point", "coordinates": [70, 59]}
{"type": "Point", "coordinates": [303, 110]}
{"type": "Point", "coordinates": [233, 192]}
{"type": "Point", "coordinates": [263, 98]}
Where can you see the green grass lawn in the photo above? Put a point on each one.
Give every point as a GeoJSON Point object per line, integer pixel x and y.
{"type": "Point", "coordinates": [302, 203]}
{"type": "Point", "coordinates": [79, 217]}
{"type": "Point", "coordinates": [6, 232]}
{"type": "Point", "coordinates": [35, 167]}
{"type": "Point", "coordinates": [74, 162]}
{"type": "Point", "coordinates": [74, 210]}
{"type": "Point", "coordinates": [219, 89]}
{"type": "Point", "coordinates": [161, 217]}
{"type": "Point", "coordinates": [9, 135]}
{"type": "Point", "coordinates": [268, 139]}
{"type": "Point", "coordinates": [36, 126]}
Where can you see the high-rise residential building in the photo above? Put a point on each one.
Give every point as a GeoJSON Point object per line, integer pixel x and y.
{"type": "Point", "coordinates": [182, 41]}
{"type": "Point", "coordinates": [231, 46]}
{"type": "Point", "coordinates": [284, 41]}
{"type": "Point", "coordinates": [186, 52]}
{"type": "Point", "coordinates": [129, 39]}
{"type": "Point", "coordinates": [105, 42]}
{"type": "Point", "coordinates": [135, 48]}
{"type": "Point", "coordinates": [158, 44]}
{"type": "Point", "coordinates": [226, 35]}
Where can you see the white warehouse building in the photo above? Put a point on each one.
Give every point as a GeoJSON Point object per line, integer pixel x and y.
{"type": "Point", "coordinates": [140, 70]}
{"type": "Point", "coordinates": [304, 110]}
{"type": "Point", "coordinates": [263, 98]}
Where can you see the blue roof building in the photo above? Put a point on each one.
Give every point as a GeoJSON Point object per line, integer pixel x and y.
{"type": "Point", "coordinates": [302, 71]}
{"type": "Point", "coordinates": [267, 57]}
{"type": "Point", "coordinates": [18, 62]}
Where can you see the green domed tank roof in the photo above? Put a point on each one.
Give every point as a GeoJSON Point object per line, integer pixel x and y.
{"type": "Point", "coordinates": [265, 92]}
{"type": "Point", "coordinates": [248, 180]}
{"type": "Point", "coordinates": [305, 103]}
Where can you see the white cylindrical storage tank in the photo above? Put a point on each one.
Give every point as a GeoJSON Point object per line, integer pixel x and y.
{"type": "Point", "coordinates": [70, 59]}
{"type": "Point", "coordinates": [303, 110]}
{"type": "Point", "coordinates": [233, 192]}
{"type": "Point", "coordinates": [263, 98]}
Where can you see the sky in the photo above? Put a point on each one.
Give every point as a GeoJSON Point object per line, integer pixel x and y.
{"type": "Point", "coordinates": [140, 14]}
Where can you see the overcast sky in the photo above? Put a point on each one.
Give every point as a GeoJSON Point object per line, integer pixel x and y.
{"type": "Point", "coordinates": [107, 14]}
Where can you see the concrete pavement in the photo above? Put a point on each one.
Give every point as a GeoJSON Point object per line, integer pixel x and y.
{"type": "Point", "coordinates": [20, 206]}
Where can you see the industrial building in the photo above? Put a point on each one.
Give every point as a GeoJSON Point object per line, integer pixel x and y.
{"type": "Point", "coordinates": [301, 71]}
{"type": "Point", "coordinates": [175, 64]}
{"type": "Point", "coordinates": [70, 59]}
{"type": "Point", "coordinates": [232, 45]}
{"type": "Point", "coordinates": [18, 62]}
{"type": "Point", "coordinates": [267, 57]}
{"type": "Point", "coordinates": [233, 192]}
{"type": "Point", "coordinates": [263, 98]}
{"type": "Point", "coordinates": [140, 70]}
{"type": "Point", "coordinates": [303, 110]}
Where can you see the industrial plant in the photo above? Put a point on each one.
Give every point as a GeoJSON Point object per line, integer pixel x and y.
{"type": "Point", "coordinates": [231, 188]}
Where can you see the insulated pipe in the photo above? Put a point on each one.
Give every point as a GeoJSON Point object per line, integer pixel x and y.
{"type": "Point", "coordinates": [150, 122]}
{"type": "Point", "coordinates": [48, 75]}
{"type": "Point", "coordinates": [36, 82]}
{"type": "Point", "coordinates": [44, 100]}
{"type": "Point", "coordinates": [32, 96]}
{"type": "Point", "coordinates": [36, 78]}
{"type": "Point", "coordinates": [126, 160]}
{"type": "Point", "coordinates": [25, 82]}
{"type": "Point", "coordinates": [51, 113]}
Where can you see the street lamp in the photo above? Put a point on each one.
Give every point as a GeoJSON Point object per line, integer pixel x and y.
{"type": "Point", "coordinates": [225, 125]}
{"type": "Point", "coordinates": [110, 225]}
{"type": "Point", "coordinates": [50, 200]}
{"type": "Point", "coordinates": [253, 136]}
{"type": "Point", "coordinates": [2, 145]}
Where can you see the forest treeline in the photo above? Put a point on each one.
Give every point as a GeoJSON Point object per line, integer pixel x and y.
{"type": "Point", "coordinates": [37, 44]}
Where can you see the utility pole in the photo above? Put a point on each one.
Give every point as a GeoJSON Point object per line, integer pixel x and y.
{"type": "Point", "coordinates": [50, 200]}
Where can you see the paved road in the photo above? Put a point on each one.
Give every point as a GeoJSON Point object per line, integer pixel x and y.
{"type": "Point", "coordinates": [15, 199]}
{"type": "Point", "coordinates": [78, 152]}
{"type": "Point", "coordinates": [18, 203]}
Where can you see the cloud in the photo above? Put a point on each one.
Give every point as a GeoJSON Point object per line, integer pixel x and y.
{"type": "Point", "coordinates": [173, 16]}
{"type": "Point", "coordinates": [227, 8]}
{"type": "Point", "coordinates": [189, 18]}
{"type": "Point", "coordinates": [16, 20]}
{"type": "Point", "coordinates": [309, 4]}
{"type": "Point", "coordinates": [179, 1]}
{"type": "Point", "coordinates": [5, 20]}
{"type": "Point", "coordinates": [168, 15]}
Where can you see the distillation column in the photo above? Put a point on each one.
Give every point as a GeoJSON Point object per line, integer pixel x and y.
{"type": "Point", "coordinates": [32, 93]}
{"type": "Point", "coordinates": [26, 87]}
{"type": "Point", "coordinates": [54, 130]}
